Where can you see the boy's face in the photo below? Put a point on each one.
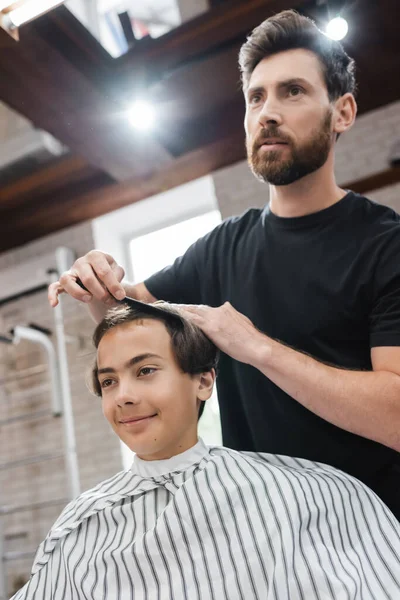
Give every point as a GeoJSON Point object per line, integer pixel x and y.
{"type": "Point", "coordinates": [151, 404]}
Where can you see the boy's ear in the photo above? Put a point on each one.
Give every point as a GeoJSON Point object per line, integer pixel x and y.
{"type": "Point", "coordinates": [206, 385]}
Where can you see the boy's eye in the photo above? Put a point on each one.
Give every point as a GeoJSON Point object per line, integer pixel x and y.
{"type": "Point", "coordinates": [106, 383]}
{"type": "Point", "coordinates": [146, 371]}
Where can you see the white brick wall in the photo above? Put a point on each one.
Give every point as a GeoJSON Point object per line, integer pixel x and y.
{"type": "Point", "coordinates": [365, 149]}
{"type": "Point", "coordinates": [98, 448]}
{"type": "Point", "coordinates": [389, 196]}
{"type": "Point", "coordinates": [237, 189]}
{"type": "Point", "coordinates": [361, 152]}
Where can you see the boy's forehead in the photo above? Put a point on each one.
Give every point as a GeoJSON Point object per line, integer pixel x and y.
{"type": "Point", "coordinates": [143, 336]}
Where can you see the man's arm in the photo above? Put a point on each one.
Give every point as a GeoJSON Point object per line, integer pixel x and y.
{"type": "Point", "coordinates": [365, 403]}
{"type": "Point", "coordinates": [102, 278]}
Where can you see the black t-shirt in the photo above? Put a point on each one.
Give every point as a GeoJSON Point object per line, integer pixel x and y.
{"type": "Point", "coordinates": [327, 284]}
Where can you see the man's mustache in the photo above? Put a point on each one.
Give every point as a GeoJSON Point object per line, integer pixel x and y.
{"type": "Point", "coordinates": [266, 134]}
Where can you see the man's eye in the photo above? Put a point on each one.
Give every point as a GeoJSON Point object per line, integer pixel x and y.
{"type": "Point", "coordinates": [254, 99]}
{"type": "Point", "coordinates": [295, 90]}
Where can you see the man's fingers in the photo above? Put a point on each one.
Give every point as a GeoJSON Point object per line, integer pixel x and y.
{"type": "Point", "coordinates": [99, 278]}
{"type": "Point", "coordinates": [86, 275]}
{"type": "Point", "coordinates": [111, 280]}
{"type": "Point", "coordinates": [108, 272]}
{"type": "Point", "coordinates": [53, 292]}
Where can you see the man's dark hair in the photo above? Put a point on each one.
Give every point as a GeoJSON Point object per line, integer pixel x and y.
{"type": "Point", "coordinates": [194, 352]}
{"type": "Point", "coordinates": [289, 30]}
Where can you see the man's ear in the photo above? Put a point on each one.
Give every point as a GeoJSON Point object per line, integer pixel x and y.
{"type": "Point", "coordinates": [344, 113]}
{"type": "Point", "coordinates": [206, 384]}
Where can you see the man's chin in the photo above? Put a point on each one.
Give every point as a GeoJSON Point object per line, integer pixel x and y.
{"type": "Point", "coordinates": [274, 176]}
{"type": "Point", "coordinates": [280, 180]}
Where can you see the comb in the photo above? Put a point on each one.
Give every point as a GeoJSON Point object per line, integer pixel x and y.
{"type": "Point", "coordinates": [149, 309]}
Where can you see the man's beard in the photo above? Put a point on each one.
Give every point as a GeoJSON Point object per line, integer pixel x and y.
{"type": "Point", "coordinates": [270, 168]}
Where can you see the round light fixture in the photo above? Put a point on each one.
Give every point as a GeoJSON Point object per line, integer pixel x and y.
{"type": "Point", "coordinates": [141, 115]}
{"type": "Point", "coordinates": [337, 28]}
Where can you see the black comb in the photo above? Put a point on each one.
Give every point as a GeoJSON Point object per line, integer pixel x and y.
{"type": "Point", "coordinates": [149, 309]}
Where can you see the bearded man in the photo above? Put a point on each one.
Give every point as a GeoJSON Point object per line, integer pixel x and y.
{"type": "Point", "coordinates": [303, 296]}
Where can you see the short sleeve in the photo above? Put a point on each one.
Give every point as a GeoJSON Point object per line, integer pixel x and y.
{"type": "Point", "coordinates": [192, 277]}
{"type": "Point", "coordinates": [385, 310]}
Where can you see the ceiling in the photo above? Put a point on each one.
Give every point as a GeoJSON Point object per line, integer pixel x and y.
{"type": "Point", "coordinates": [63, 81]}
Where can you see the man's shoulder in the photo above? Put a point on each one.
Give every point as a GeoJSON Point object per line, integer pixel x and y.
{"type": "Point", "coordinates": [373, 213]}
{"type": "Point", "coordinates": [235, 227]}
{"type": "Point", "coordinates": [250, 216]}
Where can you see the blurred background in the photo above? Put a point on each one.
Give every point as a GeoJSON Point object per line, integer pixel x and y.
{"type": "Point", "coordinates": [121, 128]}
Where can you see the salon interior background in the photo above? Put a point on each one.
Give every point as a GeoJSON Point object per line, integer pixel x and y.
{"type": "Point", "coordinates": [76, 173]}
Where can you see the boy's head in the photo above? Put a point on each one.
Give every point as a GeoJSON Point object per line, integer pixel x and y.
{"type": "Point", "coordinates": [299, 87]}
{"type": "Point", "coordinates": [153, 374]}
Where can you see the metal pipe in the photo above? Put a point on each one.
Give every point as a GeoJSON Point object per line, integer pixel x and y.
{"type": "Point", "coordinates": [2, 564]}
{"type": "Point", "coordinates": [64, 259]}
{"type": "Point", "coordinates": [38, 337]}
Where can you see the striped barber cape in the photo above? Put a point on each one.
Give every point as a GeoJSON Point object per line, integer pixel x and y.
{"type": "Point", "coordinates": [216, 524]}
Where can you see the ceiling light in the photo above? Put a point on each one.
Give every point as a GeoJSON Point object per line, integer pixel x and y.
{"type": "Point", "coordinates": [337, 28]}
{"type": "Point", "coordinates": [26, 10]}
{"type": "Point", "coordinates": [141, 115]}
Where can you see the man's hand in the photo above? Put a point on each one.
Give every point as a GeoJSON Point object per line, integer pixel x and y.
{"type": "Point", "coordinates": [100, 275]}
{"type": "Point", "coordinates": [231, 332]}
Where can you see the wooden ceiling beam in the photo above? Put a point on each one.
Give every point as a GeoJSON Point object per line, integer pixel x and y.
{"type": "Point", "coordinates": [66, 98]}
{"type": "Point", "coordinates": [200, 36]}
{"type": "Point", "coordinates": [390, 176]}
{"type": "Point", "coordinates": [65, 170]}
{"type": "Point", "coordinates": [56, 213]}
{"type": "Point", "coordinates": [39, 83]}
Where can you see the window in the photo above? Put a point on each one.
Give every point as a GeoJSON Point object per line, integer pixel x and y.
{"type": "Point", "coordinates": [157, 249]}
{"type": "Point", "coordinates": [145, 18]}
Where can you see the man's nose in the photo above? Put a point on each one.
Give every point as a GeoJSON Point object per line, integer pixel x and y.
{"type": "Point", "coordinates": [270, 113]}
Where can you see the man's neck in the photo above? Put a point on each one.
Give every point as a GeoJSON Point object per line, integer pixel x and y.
{"type": "Point", "coordinates": [308, 195]}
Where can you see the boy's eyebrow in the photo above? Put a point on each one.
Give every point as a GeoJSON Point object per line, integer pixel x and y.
{"type": "Point", "coordinates": [133, 361]}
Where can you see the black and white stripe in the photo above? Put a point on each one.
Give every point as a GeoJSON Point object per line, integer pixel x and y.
{"type": "Point", "coordinates": [230, 526]}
